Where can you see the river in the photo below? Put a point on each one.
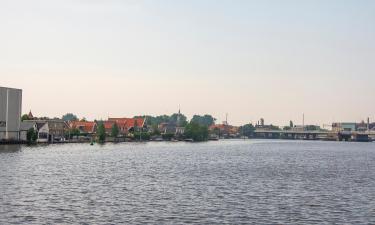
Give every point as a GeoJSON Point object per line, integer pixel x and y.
{"type": "Point", "coordinates": [223, 182]}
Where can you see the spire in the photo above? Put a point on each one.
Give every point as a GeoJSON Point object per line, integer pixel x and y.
{"type": "Point", "coordinates": [179, 116]}
{"type": "Point", "coordinates": [30, 115]}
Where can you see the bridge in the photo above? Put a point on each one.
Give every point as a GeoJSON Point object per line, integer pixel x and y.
{"type": "Point", "coordinates": [364, 136]}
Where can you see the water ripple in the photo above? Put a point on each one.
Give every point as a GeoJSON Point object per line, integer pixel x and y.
{"type": "Point", "coordinates": [225, 182]}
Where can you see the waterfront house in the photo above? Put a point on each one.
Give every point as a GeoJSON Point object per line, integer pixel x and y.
{"type": "Point", "coordinates": [175, 127]}
{"type": "Point", "coordinates": [85, 127]}
{"type": "Point", "coordinates": [108, 126]}
{"type": "Point", "coordinates": [50, 131]}
{"type": "Point", "coordinates": [171, 128]}
{"type": "Point", "coordinates": [25, 127]}
{"type": "Point", "coordinates": [224, 130]}
{"type": "Point", "coordinates": [127, 125]}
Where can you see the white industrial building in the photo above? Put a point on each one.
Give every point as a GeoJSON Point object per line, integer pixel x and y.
{"type": "Point", "coordinates": [10, 113]}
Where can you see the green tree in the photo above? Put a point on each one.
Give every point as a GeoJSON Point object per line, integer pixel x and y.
{"type": "Point", "coordinates": [156, 120]}
{"type": "Point", "coordinates": [69, 117]}
{"type": "Point", "coordinates": [115, 130]}
{"type": "Point", "coordinates": [206, 120]}
{"type": "Point", "coordinates": [136, 129]}
{"type": "Point", "coordinates": [74, 132]}
{"type": "Point", "coordinates": [247, 130]}
{"type": "Point", "coordinates": [216, 131]}
{"type": "Point", "coordinates": [101, 133]}
{"type": "Point", "coordinates": [155, 130]}
{"type": "Point", "coordinates": [31, 136]}
{"type": "Point", "coordinates": [173, 119]}
{"type": "Point", "coordinates": [24, 117]}
{"type": "Point", "coordinates": [167, 136]}
{"type": "Point", "coordinates": [291, 125]}
{"type": "Point", "coordinates": [144, 136]}
{"type": "Point", "coordinates": [196, 132]}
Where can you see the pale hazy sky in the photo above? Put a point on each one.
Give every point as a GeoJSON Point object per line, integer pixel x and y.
{"type": "Point", "coordinates": [251, 59]}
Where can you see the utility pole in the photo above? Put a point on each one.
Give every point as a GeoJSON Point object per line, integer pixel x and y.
{"type": "Point", "coordinates": [303, 121]}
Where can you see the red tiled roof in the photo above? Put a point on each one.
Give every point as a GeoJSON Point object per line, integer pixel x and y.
{"type": "Point", "coordinates": [108, 124]}
{"type": "Point", "coordinates": [219, 126]}
{"type": "Point", "coordinates": [83, 126]}
{"type": "Point", "coordinates": [224, 127]}
{"type": "Point", "coordinates": [128, 122]}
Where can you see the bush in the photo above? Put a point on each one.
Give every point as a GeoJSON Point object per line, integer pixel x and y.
{"type": "Point", "coordinates": [101, 133]}
{"type": "Point", "coordinates": [247, 130]}
{"type": "Point", "coordinates": [167, 136]}
{"type": "Point", "coordinates": [142, 136]}
{"type": "Point", "coordinates": [115, 130]}
{"type": "Point", "coordinates": [31, 136]}
{"type": "Point", "coordinates": [74, 132]}
{"type": "Point", "coordinates": [196, 132]}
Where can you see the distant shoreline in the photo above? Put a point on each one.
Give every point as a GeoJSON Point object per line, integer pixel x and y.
{"type": "Point", "coordinates": [163, 141]}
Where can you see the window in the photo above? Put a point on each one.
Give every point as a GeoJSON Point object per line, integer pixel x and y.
{"type": "Point", "coordinates": [43, 135]}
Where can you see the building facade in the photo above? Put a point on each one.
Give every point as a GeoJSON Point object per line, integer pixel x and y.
{"type": "Point", "coordinates": [51, 130]}
{"type": "Point", "coordinates": [85, 127]}
{"type": "Point", "coordinates": [10, 113]}
{"type": "Point", "coordinates": [126, 125]}
{"type": "Point", "coordinates": [25, 127]}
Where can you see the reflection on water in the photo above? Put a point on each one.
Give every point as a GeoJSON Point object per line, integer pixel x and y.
{"type": "Point", "coordinates": [9, 148]}
{"type": "Point", "coordinates": [225, 182]}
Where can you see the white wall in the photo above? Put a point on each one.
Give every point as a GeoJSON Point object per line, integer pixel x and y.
{"type": "Point", "coordinates": [10, 111]}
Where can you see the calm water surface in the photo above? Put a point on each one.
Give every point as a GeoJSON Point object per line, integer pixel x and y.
{"type": "Point", "coordinates": [225, 182]}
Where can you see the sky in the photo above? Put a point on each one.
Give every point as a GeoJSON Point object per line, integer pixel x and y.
{"type": "Point", "coordinates": [251, 59]}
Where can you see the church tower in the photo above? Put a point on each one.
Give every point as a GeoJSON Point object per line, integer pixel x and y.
{"type": "Point", "coordinates": [30, 115]}
{"type": "Point", "coordinates": [179, 117]}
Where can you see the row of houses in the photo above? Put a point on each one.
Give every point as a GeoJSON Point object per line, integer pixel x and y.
{"type": "Point", "coordinates": [224, 130]}
{"type": "Point", "coordinates": [125, 125]}
{"type": "Point", "coordinates": [55, 130]}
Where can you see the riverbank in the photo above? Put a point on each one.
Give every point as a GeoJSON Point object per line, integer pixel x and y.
{"type": "Point", "coordinates": [126, 140]}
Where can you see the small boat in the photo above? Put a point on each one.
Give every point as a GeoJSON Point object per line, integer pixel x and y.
{"type": "Point", "coordinates": [189, 140]}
